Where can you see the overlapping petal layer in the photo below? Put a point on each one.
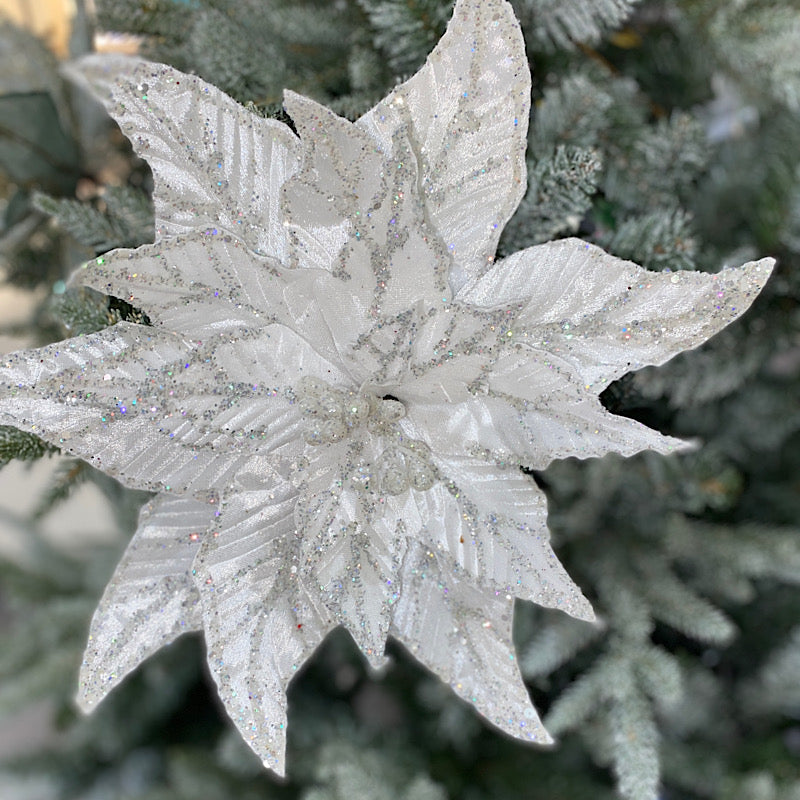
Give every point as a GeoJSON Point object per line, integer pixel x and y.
{"type": "Point", "coordinates": [490, 524]}
{"type": "Point", "coordinates": [260, 622]}
{"type": "Point", "coordinates": [463, 635]}
{"type": "Point", "coordinates": [161, 412]}
{"type": "Point", "coordinates": [393, 258]}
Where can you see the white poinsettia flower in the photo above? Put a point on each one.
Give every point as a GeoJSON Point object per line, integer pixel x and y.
{"type": "Point", "coordinates": [340, 384]}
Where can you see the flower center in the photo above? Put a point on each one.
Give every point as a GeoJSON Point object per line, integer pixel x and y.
{"type": "Point", "coordinates": [332, 415]}
{"type": "Point", "coordinates": [399, 468]}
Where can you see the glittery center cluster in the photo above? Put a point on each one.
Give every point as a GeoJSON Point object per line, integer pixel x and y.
{"type": "Point", "coordinates": [332, 415]}
{"type": "Point", "coordinates": [399, 468]}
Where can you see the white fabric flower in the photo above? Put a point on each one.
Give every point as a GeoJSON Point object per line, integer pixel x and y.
{"type": "Point", "coordinates": [340, 384]}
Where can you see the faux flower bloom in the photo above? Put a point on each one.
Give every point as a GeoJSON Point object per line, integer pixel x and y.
{"type": "Point", "coordinates": [340, 384]}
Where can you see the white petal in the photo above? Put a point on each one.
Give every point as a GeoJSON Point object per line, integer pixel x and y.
{"type": "Point", "coordinates": [448, 331]}
{"type": "Point", "coordinates": [195, 284]}
{"type": "Point", "coordinates": [260, 624]}
{"type": "Point", "coordinates": [492, 522]}
{"type": "Point", "coordinates": [606, 316]}
{"type": "Point", "coordinates": [215, 165]}
{"type": "Point", "coordinates": [544, 412]}
{"type": "Point", "coordinates": [202, 285]}
{"type": "Point", "coordinates": [464, 636]}
{"type": "Point", "coordinates": [160, 412]}
{"type": "Point", "coordinates": [467, 115]}
{"type": "Point", "coordinates": [392, 261]}
{"type": "Point", "coordinates": [341, 170]}
{"type": "Point", "coordinates": [435, 355]}
{"type": "Point", "coordinates": [353, 562]}
{"type": "Point", "coordinates": [61, 393]}
{"type": "Point", "coordinates": [151, 598]}
{"type": "Point", "coordinates": [533, 411]}
{"type": "Point", "coordinates": [318, 246]}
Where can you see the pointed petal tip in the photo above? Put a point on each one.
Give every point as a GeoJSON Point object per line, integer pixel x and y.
{"type": "Point", "coordinates": [268, 745]}
{"type": "Point", "coordinates": [93, 686]}
{"type": "Point", "coordinates": [83, 704]}
{"type": "Point", "coordinates": [763, 266]}
{"type": "Point", "coordinates": [666, 445]}
{"type": "Point", "coordinates": [768, 263]}
{"type": "Point", "coordinates": [674, 445]}
{"type": "Point", "coordinates": [290, 97]}
{"type": "Point", "coordinates": [297, 106]}
{"type": "Point", "coordinates": [752, 276]}
{"type": "Point", "coordinates": [545, 739]}
{"type": "Point", "coordinates": [528, 729]}
{"type": "Point", "coordinates": [86, 700]}
{"type": "Point", "coordinates": [272, 750]}
{"type": "Point", "coordinates": [276, 765]}
{"type": "Point", "coordinates": [582, 609]}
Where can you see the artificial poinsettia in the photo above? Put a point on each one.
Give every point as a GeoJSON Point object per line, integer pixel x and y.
{"type": "Point", "coordinates": [340, 384]}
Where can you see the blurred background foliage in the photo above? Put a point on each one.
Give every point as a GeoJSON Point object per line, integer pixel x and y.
{"type": "Point", "coordinates": [665, 131]}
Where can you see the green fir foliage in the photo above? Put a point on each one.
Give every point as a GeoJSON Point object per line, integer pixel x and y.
{"type": "Point", "coordinates": [758, 41]}
{"type": "Point", "coordinates": [775, 688]}
{"type": "Point", "coordinates": [553, 642]}
{"type": "Point", "coordinates": [348, 771]}
{"type": "Point", "coordinates": [575, 111]}
{"type": "Point", "coordinates": [658, 240]}
{"type": "Point", "coordinates": [70, 474]}
{"type": "Point", "coordinates": [567, 23]}
{"type": "Point", "coordinates": [659, 167]}
{"type": "Point", "coordinates": [82, 311]}
{"type": "Point", "coordinates": [560, 189]}
{"type": "Point", "coordinates": [406, 30]}
{"type": "Point", "coordinates": [250, 49]}
{"type": "Point", "coordinates": [122, 218]}
{"type": "Point", "coordinates": [21, 445]}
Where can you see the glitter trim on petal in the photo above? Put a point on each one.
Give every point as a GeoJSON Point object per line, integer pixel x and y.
{"type": "Point", "coordinates": [151, 598]}
{"type": "Point", "coordinates": [215, 164]}
{"type": "Point", "coordinates": [467, 115]}
{"type": "Point", "coordinates": [490, 522]}
{"type": "Point", "coordinates": [606, 316]}
{"type": "Point", "coordinates": [260, 623]}
{"type": "Point", "coordinates": [464, 637]}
